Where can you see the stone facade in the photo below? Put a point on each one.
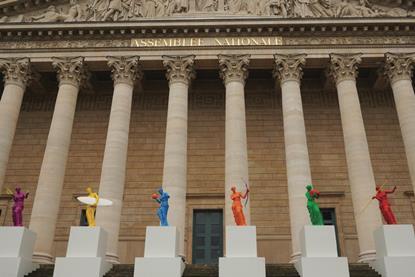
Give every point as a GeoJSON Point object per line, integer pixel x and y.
{"type": "Point", "coordinates": [269, 206]}
{"type": "Point", "coordinates": [126, 95]}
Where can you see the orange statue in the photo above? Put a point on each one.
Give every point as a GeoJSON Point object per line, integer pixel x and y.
{"type": "Point", "coordinates": [238, 211]}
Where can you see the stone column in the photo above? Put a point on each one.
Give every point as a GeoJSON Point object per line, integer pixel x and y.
{"type": "Point", "coordinates": [52, 173]}
{"type": "Point", "coordinates": [289, 72]}
{"type": "Point", "coordinates": [234, 71]}
{"type": "Point", "coordinates": [399, 69]}
{"type": "Point", "coordinates": [124, 73]}
{"type": "Point", "coordinates": [361, 178]}
{"type": "Point", "coordinates": [16, 75]}
{"type": "Point", "coordinates": [179, 73]}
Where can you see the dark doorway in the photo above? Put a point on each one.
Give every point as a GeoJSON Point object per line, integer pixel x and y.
{"type": "Point", "coordinates": [207, 236]}
{"type": "Point", "coordinates": [329, 217]}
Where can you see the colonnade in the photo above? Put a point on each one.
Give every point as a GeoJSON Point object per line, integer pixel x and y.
{"type": "Point", "coordinates": [179, 73]}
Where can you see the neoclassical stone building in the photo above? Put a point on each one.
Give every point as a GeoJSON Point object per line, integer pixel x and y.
{"type": "Point", "coordinates": [124, 96]}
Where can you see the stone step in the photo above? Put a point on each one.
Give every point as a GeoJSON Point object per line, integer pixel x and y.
{"type": "Point", "coordinates": [273, 270]}
{"type": "Point", "coordinates": [43, 271]}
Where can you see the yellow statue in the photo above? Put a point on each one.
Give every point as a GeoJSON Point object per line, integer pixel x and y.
{"type": "Point", "coordinates": [90, 209]}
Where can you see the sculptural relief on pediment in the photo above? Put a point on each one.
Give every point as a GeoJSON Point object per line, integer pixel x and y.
{"type": "Point", "coordinates": [130, 10]}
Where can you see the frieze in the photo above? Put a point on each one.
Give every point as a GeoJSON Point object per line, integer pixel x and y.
{"type": "Point", "coordinates": [212, 42]}
{"type": "Point", "coordinates": [132, 10]}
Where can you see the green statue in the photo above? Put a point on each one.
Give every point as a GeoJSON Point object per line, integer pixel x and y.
{"type": "Point", "coordinates": [315, 214]}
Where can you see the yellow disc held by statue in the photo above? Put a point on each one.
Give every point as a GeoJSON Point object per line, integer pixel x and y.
{"type": "Point", "coordinates": [91, 201]}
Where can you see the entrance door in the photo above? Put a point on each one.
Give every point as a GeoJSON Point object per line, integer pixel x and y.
{"type": "Point", "coordinates": [207, 236]}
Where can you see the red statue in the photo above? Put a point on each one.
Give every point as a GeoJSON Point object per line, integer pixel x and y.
{"type": "Point", "coordinates": [238, 211]}
{"type": "Point", "coordinates": [385, 207]}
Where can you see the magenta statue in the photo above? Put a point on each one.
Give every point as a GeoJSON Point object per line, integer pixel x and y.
{"type": "Point", "coordinates": [18, 198]}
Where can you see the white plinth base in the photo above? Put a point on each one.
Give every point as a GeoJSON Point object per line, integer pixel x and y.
{"type": "Point", "coordinates": [322, 267]}
{"type": "Point", "coordinates": [81, 267]}
{"type": "Point", "coordinates": [395, 251]}
{"type": "Point", "coordinates": [241, 241]}
{"type": "Point", "coordinates": [16, 250]}
{"type": "Point", "coordinates": [241, 254]}
{"type": "Point", "coordinates": [85, 256]}
{"type": "Point", "coordinates": [319, 254]}
{"type": "Point", "coordinates": [159, 267]}
{"type": "Point", "coordinates": [160, 254]}
{"type": "Point", "coordinates": [161, 241]}
{"type": "Point", "coordinates": [242, 267]}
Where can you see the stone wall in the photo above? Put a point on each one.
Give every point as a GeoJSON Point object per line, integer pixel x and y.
{"type": "Point", "coordinates": [269, 206]}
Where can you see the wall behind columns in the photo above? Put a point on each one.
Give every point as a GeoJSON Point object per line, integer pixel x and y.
{"type": "Point", "coordinates": [269, 204]}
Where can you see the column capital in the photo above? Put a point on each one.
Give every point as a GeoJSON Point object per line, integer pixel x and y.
{"type": "Point", "coordinates": [179, 68]}
{"type": "Point", "coordinates": [233, 67]}
{"type": "Point", "coordinates": [16, 71]}
{"type": "Point", "coordinates": [399, 66]}
{"type": "Point", "coordinates": [70, 70]}
{"type": "Point", "coordinates": [289, 67]}
{"type": "Point", "coordinates": [124, 69]}
{"type": "Point", "coordinates": [344, 66]}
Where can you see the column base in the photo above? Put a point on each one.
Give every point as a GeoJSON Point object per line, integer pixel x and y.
{"type": "Point", "coordinates": [367, 256]}
{"type": "Point", "coordinates": [295, 257]}
{"type": "Point", "coordinates": [112, 258]}
{"type": "Point", "coordinates": [42, 258]}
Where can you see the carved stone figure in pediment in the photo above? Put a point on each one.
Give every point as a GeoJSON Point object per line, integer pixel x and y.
{"type": "Point", "coordinates": [301, 8]}
{"type": "Point", "coordinates": [182, 6]}
{"type": "Point", "coordinates": [135, 9]}
{"type": "Point", "coordinates": [114, 11]}
{"type": "Point", "coordinates": [154, 8]}
{"type": "Point", "coordinates": [128, 10]}
{"type": "Point", "coordinates": [50, 15]}
{"type": "Point", "coordinates": [252, 7]}
{"type": "Point", "coordinates": [207, 5]}
{"type": "Point", "coordinates": [75, 12]}
{"type": "Point", "coordinates": [275, 7]}
{"type": "Point", "coordinates": [322, 8]}
{"type": "Point", "coordinates": [237, 6]}
{"type": "Point", "coordinates": [361, 9]}
{"type": "Point", "coordinates": [97, 9]}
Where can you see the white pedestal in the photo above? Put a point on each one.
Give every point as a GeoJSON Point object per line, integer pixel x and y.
{"type": "Point", "coordinates": [85, 255]}
{"type": "Point", "coordinates": [319, 254]}
{"type": "Point", "coordinates": [395, 251]}
{"type": "Point", "coordinates": [16, 250]}
{"type": "Point", "coordinates": [241, 254]}
{"type": "Point", "coordinates": [160, 254]}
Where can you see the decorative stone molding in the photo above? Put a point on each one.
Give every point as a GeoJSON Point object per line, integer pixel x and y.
{"type": "Point", "coordinates": [124, 69]}
{"type": "Point", "coordinates": [344, 67]}
{"type": "Point", "coordinates": [289, 67]}
{"type": "Point", "coordinates": [233, 68]}
{"type": "Point", "coordinates": [16, 71]}
{"type": "Point", "coordinates": [179, 68]}
{"type": "Point", "coordinates": [70, 70]}
{"type": "Point", "coordinates": [399, 66]}
{"type": "Point", "coordinates": [132, 10]}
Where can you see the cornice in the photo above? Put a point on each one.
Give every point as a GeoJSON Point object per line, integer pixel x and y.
{"type": "Point", "coordinates": [218, 26]}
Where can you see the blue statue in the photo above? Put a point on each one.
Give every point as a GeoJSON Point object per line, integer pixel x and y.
{"type": "Point", "coordinates": [163, 199]}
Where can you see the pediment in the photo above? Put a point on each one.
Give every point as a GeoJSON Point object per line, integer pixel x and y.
{"type": "Point", "coordinates": [133, 10]}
